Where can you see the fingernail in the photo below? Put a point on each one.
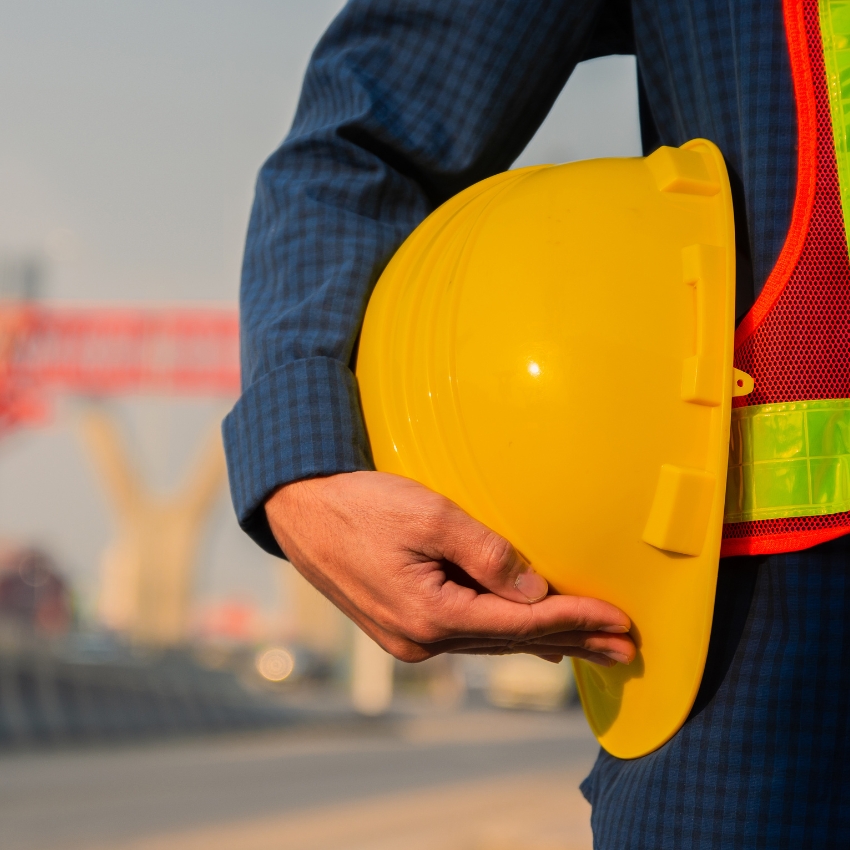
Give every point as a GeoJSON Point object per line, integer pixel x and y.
{"type": "Point", "coordinates": [531, 585]}
{"type": "Point", "coordinates": [614, 630]}
{"type": "Point", "coordinates": [617, 656]}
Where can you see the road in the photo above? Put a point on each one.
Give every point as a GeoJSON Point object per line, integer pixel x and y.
{"type": "Point", "coordinates": [472, 780]}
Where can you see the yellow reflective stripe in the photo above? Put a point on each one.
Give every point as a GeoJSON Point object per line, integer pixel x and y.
{"type": "Point", "coordinates": [835, 34]}
{"type": "Point", "coordinates": [789, 460]}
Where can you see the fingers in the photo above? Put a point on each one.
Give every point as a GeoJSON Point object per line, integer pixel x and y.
{"type": "Point", "coordinates": [467, 614]}
{"type": "Point", "coordinates": [598, 647]}
{"type": "Point", "coordinates": [555, 644]}
{"type": "Point", "coordinates": [488, 557]}
{"type": "Point", "coordinates": [592, 657]}
{"type": "Point", "coordinates": [592, 641]}
{"type": "Point", "coordinates": [462, 620]}
{"type": "Point", "coordinates": [619, 649]}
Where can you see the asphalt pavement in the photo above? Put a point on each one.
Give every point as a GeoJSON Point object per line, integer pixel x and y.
{"type": "Point", "coordinates": [468, 780]}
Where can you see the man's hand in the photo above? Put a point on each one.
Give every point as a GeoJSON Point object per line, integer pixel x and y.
{"type": "Point", "coordinates": [413, 571]}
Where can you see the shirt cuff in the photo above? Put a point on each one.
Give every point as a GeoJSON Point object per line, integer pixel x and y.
{"type": "Point", "coordinates": [298, 421]}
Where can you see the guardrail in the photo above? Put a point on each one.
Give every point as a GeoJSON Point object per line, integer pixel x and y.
{"type": "Point", "coordinates": [47, 695]}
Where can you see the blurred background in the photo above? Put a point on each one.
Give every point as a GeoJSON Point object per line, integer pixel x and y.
{"type": "Point", "coordinates": [163, 682]}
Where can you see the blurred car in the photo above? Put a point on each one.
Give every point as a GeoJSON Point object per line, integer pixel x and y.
{"type": "Point", "coordinates": [33, 593]}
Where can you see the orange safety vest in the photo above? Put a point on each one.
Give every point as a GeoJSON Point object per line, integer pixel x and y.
{"type": "Point", "coordinates": [795, 341]}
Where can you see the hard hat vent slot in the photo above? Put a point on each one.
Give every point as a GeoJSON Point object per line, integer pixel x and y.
{"type": "Point", "coordinates": [704, 375]}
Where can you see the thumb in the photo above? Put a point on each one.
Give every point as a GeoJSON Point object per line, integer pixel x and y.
{"type": "Point", "coordinates": [490, 559]}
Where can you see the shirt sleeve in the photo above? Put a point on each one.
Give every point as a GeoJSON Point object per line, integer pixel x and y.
{"type": "Point", "coordinates": [404, 104]}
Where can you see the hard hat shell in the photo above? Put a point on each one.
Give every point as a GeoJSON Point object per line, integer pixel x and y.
{"type": "Point", "coordinates": [552, 350]}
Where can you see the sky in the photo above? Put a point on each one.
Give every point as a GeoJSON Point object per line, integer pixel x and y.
{"type": "Point", "coordinates": [133, 131]}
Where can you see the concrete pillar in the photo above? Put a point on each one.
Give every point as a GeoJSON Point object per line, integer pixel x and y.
{"type": "Point", "coordinates": [371, 676]}
{"type": "Point", "coordinates": [148, 569]}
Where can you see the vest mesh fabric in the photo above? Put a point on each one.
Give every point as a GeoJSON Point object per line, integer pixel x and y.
{"type": "Point", "coordinates": [801, 349]}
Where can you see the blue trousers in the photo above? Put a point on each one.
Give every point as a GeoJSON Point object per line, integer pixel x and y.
{"type": "Point", "coordinates": [763, 760]}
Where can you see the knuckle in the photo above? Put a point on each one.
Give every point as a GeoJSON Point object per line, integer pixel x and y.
{"type": "Point", "coordinates": [584, 613]}
{"type": "Point", "coordinates": [496, 553]}
{"type": "Point", "coordinates": [422, 630]}
{"type": "Point", "coordinates": [531, 628]}
{"type": "Point", "coordinates": [434, 514]}
{"type": "Point", "coordinates": [410, 653]}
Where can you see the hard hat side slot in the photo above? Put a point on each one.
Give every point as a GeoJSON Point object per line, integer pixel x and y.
{"type": "Point", "coordinates": [684, 171]}
{"type": "Point", "coordinates": [681, 510]}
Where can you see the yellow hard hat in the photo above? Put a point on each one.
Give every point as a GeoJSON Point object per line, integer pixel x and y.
{"type": "Point", "coordinates": [552, 350]}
